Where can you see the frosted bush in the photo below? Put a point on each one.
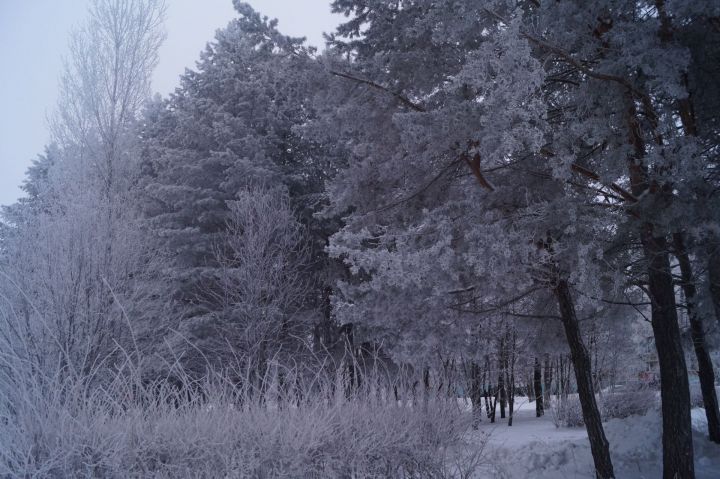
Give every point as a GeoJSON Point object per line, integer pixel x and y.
{"type": "Point", "coordinates": [58, 427]}
{"type": "Point", "coordinates": [567, 411]}
{"type": "Point", "coordinates": [627, 403]}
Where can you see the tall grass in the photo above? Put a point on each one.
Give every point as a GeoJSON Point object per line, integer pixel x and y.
{"type": "Point", "coordinates": [63, 425]}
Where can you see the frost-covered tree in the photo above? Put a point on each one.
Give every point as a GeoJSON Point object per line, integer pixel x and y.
{"type": "Point", "coordinates": [263, 285]}
{"type": "Point", "coordinates": [504, 150]}
{"type": "Point", "coordinates": [228, 128]}
{"type": "Point", "coordinates": [76, 253]}
{"type": "Point", "coordinates": [626, 79]}
{"type": "Point", "coordinates": [453, 209]}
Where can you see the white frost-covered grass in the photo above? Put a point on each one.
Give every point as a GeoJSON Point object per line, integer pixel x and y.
{"type": "Point", "coordinates": [58, 427]}
{"type": "Point", "coordinates": [534, 447]}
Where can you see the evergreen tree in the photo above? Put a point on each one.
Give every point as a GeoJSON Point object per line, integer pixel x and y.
{"type": "Point", "coordinates": [229, 128]}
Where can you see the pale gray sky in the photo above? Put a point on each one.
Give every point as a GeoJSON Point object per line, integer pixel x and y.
{"type": "Point", "coordinates": [34, 36]}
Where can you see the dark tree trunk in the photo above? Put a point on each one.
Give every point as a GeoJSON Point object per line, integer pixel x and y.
{"type": "Point", "coordinates": [491, 400]}
{"type": "Point", "coordinates": [714, 277]}
{"type": "Point", "coordinates": [529, 389]}
{"type": "Point", "coordinates": [511, 396]}
{"type": "Point", "coordinates": [501, 374]}
{"type": "Point", "coordinates": [583, 375]}
{"type": "Point", "coordinates": [537, 383]}
{"type": "Point", "coordinates": [547, 381]}
{"type": "Point", "coordinates": [510, 379]}
{"type": "Point", "coordinates": [563, 382]}
{"type": "Point", "coordinates": [674, 387]}
{"type": "Point", "coordinates": [493, 404]}
{"type": "Point", "coordinates": [475, 394]}
{"type": "Point", "coordinates": [502, 393]}
{"type": "Point", "coordinates": [486, 395]}
{"type": "Point", "coordinates": [449, 379]}
{"type": "Point", "coordinates": [426, 385]}
{"type": "Point", "coordinates": [697, 332]}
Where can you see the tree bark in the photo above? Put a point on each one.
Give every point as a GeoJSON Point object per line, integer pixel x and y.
{"type": "Point", "coordinates": [475, 394]}
{"type": "Point", "coordinates": [426, 383]}
{"type": "Point", "coordinates": [511, 396]}
{"type": "Point", "coordinates": [501, 375]}
{"type": "Point", "coordinates": [674, 386]}
{"type": "Point", "coordinates": [510, 380]}
{"type": "Point", "coordinates": [697, 332]}
{"type": "Point", "coordinates": [529, 389]}
{"type": "Point", "coordinates": [583, 375]}
{"type": "Point", "coordinates": [537, 383]}
{"type": "Point", "coordinates": [493, 404]}
{"type": "Point", "coordinates": [547, 381]}
{"type": "Point", "coordinates": [502, 393]}
{"type": "Point", "coordinates": [714, 277]}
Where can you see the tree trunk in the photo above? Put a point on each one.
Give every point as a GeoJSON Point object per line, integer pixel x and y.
{"type": "Point", "coordinates": [583, 375]}
{"type": "Point", "coordinates": [492, 403]}
{"type": "Point", "coordinates": [325, 333]}
{"type": "Point", "coordinates": [510, 379]}
{"type": "Point", "coordinates": [426, 385]}
{"type": "Point", "coordinates": [563, 381]}
{"type": "Point", "coordinates": [537, 383]}
{"type": "Point", "coordinates": [560, 374]}
{"type": "Point", "coordinates": [502, 393]}
{"type": "Point", "coordinates": [714, 277]}
{"type": "Point", "coordinates": [511, 395]}
{"type": "Point", "coordinates": [529, 389]}
{"type": "Point", "coordinates": [501, 373]}
{"type": "Point", "coordinates": [705, 366]}
{"type": "Point", "coordinates": [674, 387]}
{"type": "Point", "coordinates": [487, 404]}
{"type": "Point", "coordinates": [547, 381]}
{"type": "Point", "coordinates": [475, 394]}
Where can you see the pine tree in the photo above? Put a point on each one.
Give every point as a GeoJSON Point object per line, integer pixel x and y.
{"type": "Point", "coordinates": [229, 128]}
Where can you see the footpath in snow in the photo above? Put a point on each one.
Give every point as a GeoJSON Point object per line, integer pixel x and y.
{"type": "Point", "coordinates": [534, 448]}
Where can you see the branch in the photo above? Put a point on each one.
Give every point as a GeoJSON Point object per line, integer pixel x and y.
{"type": "Point", "coordinates": [419, 191]}
{"type": "Point", "coordinates": [625, 194]}
{"type": "Point", "coordinates": [498, 306]}
{"type": "Point", "coordinates": [474, 165]}
{"type": "Point", "coordinates": [575, 62]}
{"type": "Point", "coordinates": [404, 100]}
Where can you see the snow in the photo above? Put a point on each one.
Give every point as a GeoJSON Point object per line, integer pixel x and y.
{"type": "Point", "coordinates": [534, 447]}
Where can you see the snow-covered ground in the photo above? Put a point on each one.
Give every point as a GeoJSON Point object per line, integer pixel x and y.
{"type": "Point", "coordinates": [535, 448]}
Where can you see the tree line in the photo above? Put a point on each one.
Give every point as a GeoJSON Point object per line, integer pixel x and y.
{"type": "Point", "coordinates": [472, 191]}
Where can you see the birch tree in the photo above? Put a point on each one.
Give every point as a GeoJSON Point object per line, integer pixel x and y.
{"type": "Point", "coordinates": [78, 261]}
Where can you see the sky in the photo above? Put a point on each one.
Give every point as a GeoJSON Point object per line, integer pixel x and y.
{"type": "Point", "coordinates": [33, 40]}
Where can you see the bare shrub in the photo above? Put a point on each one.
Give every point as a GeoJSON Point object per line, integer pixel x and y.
{"type": "Point", "coordinates": [567, 411]}
{"type": "Point", "coordinates": [627, 403]}
{"type": "Point", "coordinates": [57, 426]}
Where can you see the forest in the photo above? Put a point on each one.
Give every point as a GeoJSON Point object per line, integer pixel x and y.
{"type": "Point", "coordinates": [458, 221]}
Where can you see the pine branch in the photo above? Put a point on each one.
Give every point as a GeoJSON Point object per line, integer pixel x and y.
{"type": "Point", "coordinates": [404, 100]}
